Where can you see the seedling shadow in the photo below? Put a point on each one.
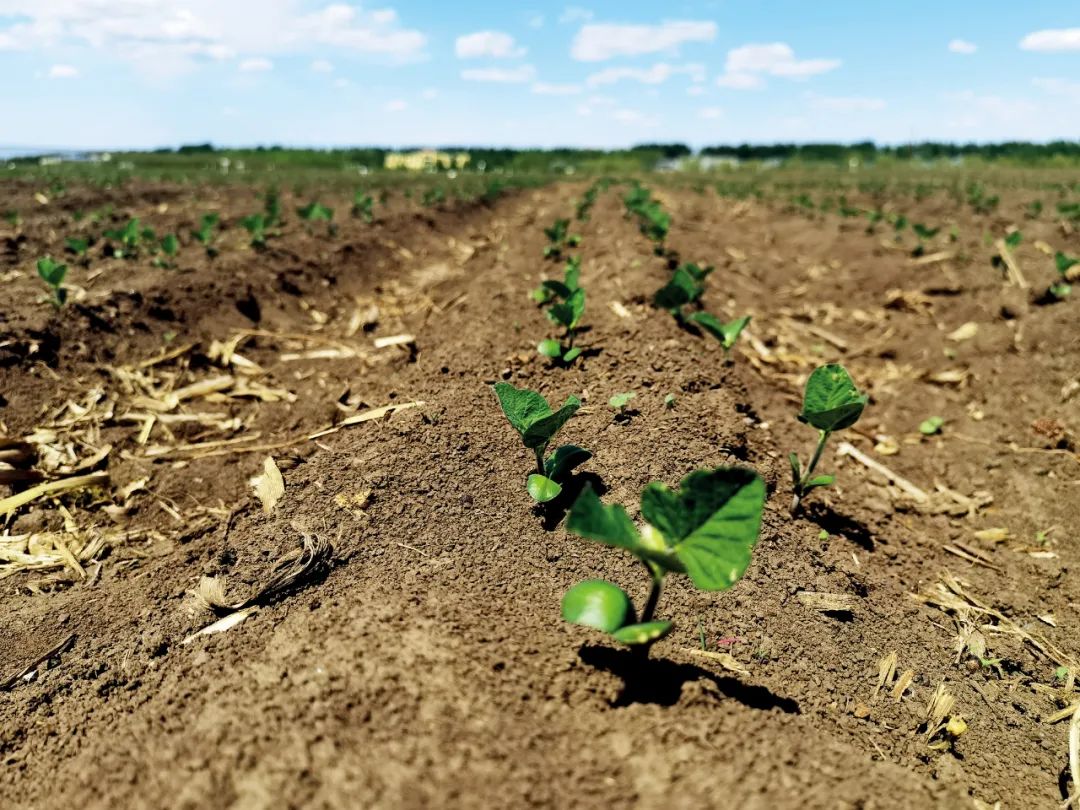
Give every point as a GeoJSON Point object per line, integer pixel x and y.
{"type": "Point", "coordinates": [555, 510]}
{"type": "Point", "coordinates": [835, 523]}
{"type": "Point", "coordinates": [660, 681]}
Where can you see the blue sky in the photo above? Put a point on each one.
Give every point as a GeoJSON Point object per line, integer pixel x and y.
{"type": "Point", "coordinates": [146, 73]}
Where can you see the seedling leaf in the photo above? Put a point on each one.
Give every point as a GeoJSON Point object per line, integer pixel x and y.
{"type": "Point", "coordinates": [542, 489]}
{"type": "Point", "coordinates": [598, 604]}
{"type": "Point", "coordinates": [549, 348]}
{"type": "Point", "coordinates": [610, 525]}
{"type": "Point", "coordinates": [726, 333]}
{"type": "Point", "coordinates": [521, 406]}
{"type": "Point", "coordinates": [831, 400]}
{"type": "Point", "coordinates": [621, 400]}
{"type": "Point", "coordinates": [572, 354]}
{"type": "Point", "coordinates": [636, 634]}
{"type": "Point", "coordinates": [541, 431]}
{"type": "Point", "coordinates": [564, 460]}
{"type": "Point", "coordinates": [929, 427]}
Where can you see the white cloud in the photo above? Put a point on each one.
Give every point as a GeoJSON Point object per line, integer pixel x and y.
{"type": "Point", "coordinates": [1052, 39]}
{"type": "Point", "coordinates": [633, 117]}
{"type": "Point", "coordinates": [710, 113]}
{"type": "Point", "coordinates": [255, 65]}
{"type": "Point", "coordinates": [601, 41]}
{"type": "Point", "coordinates": [1063, 88]}
{"type": "Point", "coordinates": [342, 83]}
{"type": "Point", "coordinates": [973, 111]}
{"type": "Point", "coordinates": [322, 66]}
{"type": "Point", "coordinates": [518, 75]}
{"type": "Point", "coordinates": [162, 37]}
{"type": "Point", "coordinates": [429, 94]}
{"type": "Point", "coordinates": [657, 74]}
{"type": "Point", "coordinates": [695, 90]}
{"type": "Point", "coordinates": [962, 46]}
{"type": "Point", "coordinates": [739, 81]}
{"type": "Point", "coordinates": [493, 44]}
{"type": "Point", "coordinates": [63, 72]}
{"type": "Point", "coordinates": [397, 105]}
{"type": "Point", "coordinates": [536, 21]}
{"type": "Point", "coordinates": [575, 14]}
{"type": "Point", "coordinates": [547, 89]}
{"type": "Point", "coordinates": [746, 65]}
{"type": "Point", "coordinates": [847, 104]}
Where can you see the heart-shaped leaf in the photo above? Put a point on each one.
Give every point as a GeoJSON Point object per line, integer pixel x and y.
{"type": "Point", "coordinates": [542, 489]}
{"type": "Point", "coordinates": [645, 633]}
{"type": "Point", "coordinates": [610, 525]}
{"type": "Point", "coordinates": [572, 354]}
{"type": "Point", "coordinates": [726, 333]}
{"type": "Point", "coordinates": [549, 348]}
{"type": "Point", "coordinates": [681, 290]}
{"type": "Point", "coordinates": [597, 603]}
{"type": "Point", "coordinates": [541, 431]}
{"type": "Point", "coordinates": [831, 400]}
{"type": "Point", "coordinates": [557, 288]}
{"type": "Point", "coordinates": [564, 460]}
{"type": "Point", "coordinates": [521, 406]}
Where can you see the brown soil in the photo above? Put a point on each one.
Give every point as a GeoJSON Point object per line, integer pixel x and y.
{"type": "Point", "coordinates": [429, 666]}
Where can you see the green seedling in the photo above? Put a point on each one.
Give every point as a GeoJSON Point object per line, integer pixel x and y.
{"type": "Point", "coordinates": [364, 207]}
{"type": "Point", "coordinates": [124, 242]}
{"type": "Point", "coordinates": [549, 290]}
{"type": "Point", "coordinates": [669, 401]}
{"type": "Point", "coordinates": [255, 224]}
{"type": "Point", "coordinates": [531, 416]}
{"type": "Point", "coordinates": [52, 273]}
{"type": "Point", "coordinates": [931, 426]}
{"type": "Point", "coordinates": [1034, 209]}
{"type": "Point", "coordinates": [272, 207]}
{"type": "Point", "coordinates": [685, 287]}
{"type": "Point", "coordinates": [924, 234]}
{"type": "Point", "coordinates": [77, 246]}
{"type": "Point", "coordinates": [559, 239]}
{"type": "Point", "coordinates": [873, 218]}
{"type": "Point", "coordinates": [205, 234]}
{"type": "Point", "coordinates": [831, 402]}
{"type": "Point", "coordinates": [1069, 211]}
{"type": "Point", "coordinates": [315, 212]}
{"type": "Point", "coordinates": [1061, 290]}
{"type": "Point", "coordinates": [12, 218]}
{"type": "Point", "coordinates": [620, 401]}
{"type": "Point", "coordinates": [705, 529]}
{"type": "Point", "coordinates": [726, 333]}
{"type": "Point", "coordinates": [568, 315]}
{"type": "Point", "coordinates": [170, 245]}
{"type": "Point", "coordinates": [1013, 239]}
{"type": "Point", "coordinates": [432, 197]}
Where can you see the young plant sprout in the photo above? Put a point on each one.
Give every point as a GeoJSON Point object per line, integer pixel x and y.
{"type": "Point", "coordinates": [568, 315]}
{"type": "Point", "coordinates": [255, 224]}
{"type": "Point", "coordinates": [77, 246]}
{"type": "Point", "coordinates": [364, 207]}
{"type": "Point", "coordinates": [205, 234]}
{"type": "Point", "coordinates": [272, 207]}
{"type": "Point", "coordinates": [924, 234]}
{"type": "Point", "coordinates": [170, 245]}
{"type": "Point", "coordinates": [620, 401]}
{"type": "Point", "coordinates": [685, 287]}
{"type": "Point", "coordinates": [315, 212]}
{"type": "Point", "coordinates": [124, 242]}
{"type": "Point", "coordinates": [931, 426]}
{"type": "Point", "coordinates": [1060, 290]}
{"type": "Point", "coordinates": [726, 333]}
{"type": "Point", "coordinates": [559, 239]}
{"type": "Point", "coordinates": [531, 416]}
{"type": "Point", "coordinates": [831, 402]}
{"type": "Point", "coordinates": [52, 273]}
{"type": "Point", "coordinates": [549, 290]}
{"type": "Point", "coordinates": [706, 529]}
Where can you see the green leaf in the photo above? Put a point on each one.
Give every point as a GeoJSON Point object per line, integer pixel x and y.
{"type": "Point", "coordinates": [521, 406]}
{"type": "Point", "coordinates": [796, 468]}
{"type": "Point", "coordinates": [598, 604]}
{"type": "Point", "coordinates": [1060, 291]}
{"type": "Point", "coordinates": [564, 460]}
{"type": "Point", "coordinates": [681, 290]}
{"type": "Point", "coordinates": [572, 274]}
{"type": "Point", "coordinates": [542, 430]}
{"type": "Point", "coordinates": [556, 288]}
{"type": "Point", "coordinates": [51, 272]}
{"type": "Point", "coordinates": [646, 633]}
{"type": "Point", "coordinates": [712, 522]}
{"type": "Point", "coordinates": [1013, 240]}
{"type": "Point", "coordinates": [726, 333]}
{"type": "Point", "coordinates": [610, 525]}
{"type": "Point", "coordinates": [170, 244]}
{"type": "Point", "coordinates": [819, 481]}
{"type": "Point", "coordinates": [929, 427]}
{"type": "Point", "coordinates": [572, 355]}
{"type": "Point", "coordinates": [621, 400]}
{"type": "Point", "coordinates": [549, 348]}
{"type": "Point", "coordinates": [542, 488]}
{"type": "Point", "coordinates": [1063, 262]}
{"type": "Point", "coordinates": [831, 400]}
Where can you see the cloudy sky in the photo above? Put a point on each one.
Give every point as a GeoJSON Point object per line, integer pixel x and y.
{"type": "Point", "coordinates": [144, 73]}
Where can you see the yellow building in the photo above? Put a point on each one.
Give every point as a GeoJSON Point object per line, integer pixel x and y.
{"type": "Point", "coordinates": [425, 160]}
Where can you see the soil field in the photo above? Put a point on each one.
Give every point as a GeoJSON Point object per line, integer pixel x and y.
{"type": "Point", "coordinates": [419, 659]}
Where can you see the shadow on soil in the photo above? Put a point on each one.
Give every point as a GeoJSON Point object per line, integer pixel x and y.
{"type": "Point", "coordinates": [660, 681]}
{"type": "Point", "coordinates": [835, 523]}
{"type": "Point", "coordinates": [554, 511]}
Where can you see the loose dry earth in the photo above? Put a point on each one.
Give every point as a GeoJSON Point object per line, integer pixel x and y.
{"type": "Point", "coordinates": [426, 663]}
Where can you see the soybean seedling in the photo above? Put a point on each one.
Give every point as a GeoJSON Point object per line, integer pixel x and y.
{"type": "Point", "coordinates": [256, 226]}
{"type": "Point", "coordinates": [1060, 290]}
{"type": "Point", "coordinates": [706, 529]}
{"type": "Point", "coordinates": [726, 333]}
{"type": "Point", "coordinates": [205, 234]}
{"type": "Point", "coordinates": [568, 315]}
{"type": "Point", "coordinates": [550, 290]}
{"type": "Point", "coordinates": [924, 234]}
{"type": "Point", "coordinates": [531, 416]}
{"type": "Point", "coordinates": [931, 426]}
{"type": "Point", "coordinates": [559, 239]}
{"type": "Point", "coordinates": [831, 402]}
{"type": "Point", "coordinates": [685, 287]}
{"type": "Point", "coordinates": [77, 246]}
{"type": "Point", "coordinates": [364, 207]}
{"type": "Point", "coordinates": [619, 403]}
{"type": "Point", "coordinates": [52, 273]}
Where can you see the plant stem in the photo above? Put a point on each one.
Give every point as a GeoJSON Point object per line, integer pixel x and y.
{"type": "Point", "coordinates": [540, 460]}
{"type": "Point", "coordinates": [800, 488]}
{"type": "Point", "coordinates": [654, 597]}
